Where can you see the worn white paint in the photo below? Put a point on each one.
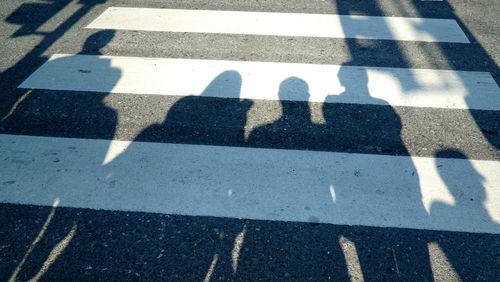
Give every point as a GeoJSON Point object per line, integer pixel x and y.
{"type": "Point", "coordinates": [265, 184]}
{"type": "Point", "coordinates": [261, 80]}
{"type": "Point", "coordinates": [280, 24]}
{"type": "Point", "coordinates": [351, 258]}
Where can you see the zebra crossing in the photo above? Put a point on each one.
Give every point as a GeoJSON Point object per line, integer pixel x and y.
{"type": "Point", "coordinates": [283, 168]}
{"type": "Point", "coordinates": [436, 88]}
{"type": "Point", "coordinates": [279, 24]}
{"type": "Point", "coordinates": [214, 181]}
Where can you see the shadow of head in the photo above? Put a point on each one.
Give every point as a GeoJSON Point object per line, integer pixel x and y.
{"type": "Point", "coordinates": [293, 89]}
{"type": "Point", "coordinates": [97, 41]}
{"type": "Point", "coordinates": [461, 178]}
{"type": "Point", "coordinates": [354, 78]}
{"type": "Point", "coordinates": [225, 85]}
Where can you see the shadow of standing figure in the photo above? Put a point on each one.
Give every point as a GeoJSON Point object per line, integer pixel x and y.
{"type": "Point", "coordinates": [209, 119]}
{"type": "Point", "coordinates": [375, 128]}
{"type": "Point", "coordinates": [481, 258]}
{"type": "Point", "coordinates": [466, 186]}
{"type": "Point", "coordinates": [294, 128]}
{"type": "Point", "coordinates": [368, 125]}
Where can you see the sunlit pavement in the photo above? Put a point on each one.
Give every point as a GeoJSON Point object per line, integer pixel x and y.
{"type": "Point", "coordinates": [224, 140]}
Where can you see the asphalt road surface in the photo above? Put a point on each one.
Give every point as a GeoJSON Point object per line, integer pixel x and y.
{"type": "Point", "coordinates": [249, 140]}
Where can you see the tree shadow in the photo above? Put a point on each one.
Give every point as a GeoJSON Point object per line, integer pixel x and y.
{"type": "Point", "coordinates": [50, 113]}
{"type": "Point", "coordinates": [199, 120]}
{"type": "Point", "coordinates": [438, 55]}
{"type": "Point", "coordinates": [76, 113]}
{"type": "Point", "coordinates": [458, 247]}
{"type": "Point", "coordinates": [31, 16]}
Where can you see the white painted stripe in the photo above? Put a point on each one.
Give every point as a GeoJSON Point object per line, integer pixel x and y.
{"type": "Point", "coordinates": [267, 184]}
{"type": "Point", "coordinates": [280, 24]}
{"type": "Point", "coordinates": [261, 80]}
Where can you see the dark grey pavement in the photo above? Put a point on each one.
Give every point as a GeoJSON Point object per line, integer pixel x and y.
{"type": "Point", "coordinates": [140, 246]}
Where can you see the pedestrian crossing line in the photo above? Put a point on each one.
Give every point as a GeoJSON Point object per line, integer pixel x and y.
{"type": "Point", "coordinates": [280, 24]}
{"type": "Point", "coordinates": [261, 80]}
{"type": "Point", "coordinates": [267, 184]}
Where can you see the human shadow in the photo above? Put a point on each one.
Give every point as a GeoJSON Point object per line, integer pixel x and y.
{"type": "Point", "coordinates": [470, 57]}
{"type": "Point", "coordinates": [294, 129]}
{"type": "Point", "coordinates": [215, 117]}
{"type": "Point", "coordinates": [465, 184]}
{"type": "Point", "coordinates": [473, 255]}
{"type": "Point", "coordinates": [366, 193]}
{"type": "Point", "coordinates": [366, 125]}
{"type": "Point", "coordinates": [145, 243]}
{"type": "Point", "coordinates": [204, 120]}
{"type": "Point", "coordinates": [79, 114]}
{"type": "Point", "coordinates": [354, 122]}
{"type": "Point", "coordinates": [369, 124]}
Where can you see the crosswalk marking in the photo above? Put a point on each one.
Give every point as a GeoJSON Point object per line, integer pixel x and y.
{"type": "Point", "coordinates": [261, 80]}
{"type": "Point", "coordinates": [280, 24]}
{"type": "Point", "coordinates": [346, 187]}
{"type": "Point", "coordinates": [267, 184]}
